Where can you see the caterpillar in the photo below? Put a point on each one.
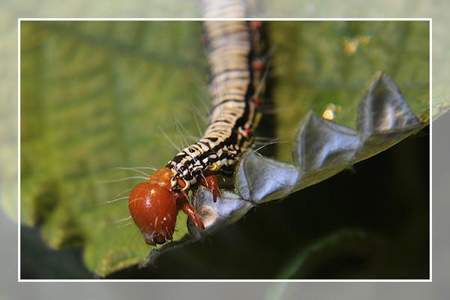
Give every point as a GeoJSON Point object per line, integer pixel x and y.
{"type": "Point", "coordinates": [234, 51]}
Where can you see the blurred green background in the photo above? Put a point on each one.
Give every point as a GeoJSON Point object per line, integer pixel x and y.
{"type": "Point", "coordinates": [96, 96]}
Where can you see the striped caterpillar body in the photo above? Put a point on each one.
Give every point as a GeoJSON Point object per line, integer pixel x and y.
{"type": "Point", "coordinates": [236, 78]}
{"type": "Point", "coordinates": [234, 115]}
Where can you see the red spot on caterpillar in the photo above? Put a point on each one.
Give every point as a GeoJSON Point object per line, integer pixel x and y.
{"type": "Point", "coordinates": [258, 64]}
{"type": "Point", "coordinates": [154, 207]}
{"type": "Point", "coordinates": [211, 183]}
{"type": "Point", "coordinates": [181, 183]}
{"type": "Point", "coordinates": [257, 101]}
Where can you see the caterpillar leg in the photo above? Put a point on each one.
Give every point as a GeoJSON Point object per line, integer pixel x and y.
{"type": "Point", "coordinates": [189, 210]}
{"type": "Point", "coordinates": [211, 183]}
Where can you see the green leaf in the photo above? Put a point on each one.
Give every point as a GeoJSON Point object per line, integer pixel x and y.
{"type": "Point", "coordinates": [323, 63]}
{"type": "Point", "coordinates": [100, 95]}
{"type": "Point", "coordinates": [97, 96]}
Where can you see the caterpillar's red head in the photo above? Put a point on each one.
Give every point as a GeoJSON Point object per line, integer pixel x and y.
{"type": "Point", "coordinates": [153, 206]}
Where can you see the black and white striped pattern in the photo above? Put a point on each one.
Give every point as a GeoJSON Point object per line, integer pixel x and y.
{"type": "Point", "coordinates": [233, 117]}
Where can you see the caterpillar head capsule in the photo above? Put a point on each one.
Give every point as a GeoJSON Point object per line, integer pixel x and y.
{"type": "Point", "coordinates": [154, 207]}
{"type": "Point", "coordinates": [154, 210]}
